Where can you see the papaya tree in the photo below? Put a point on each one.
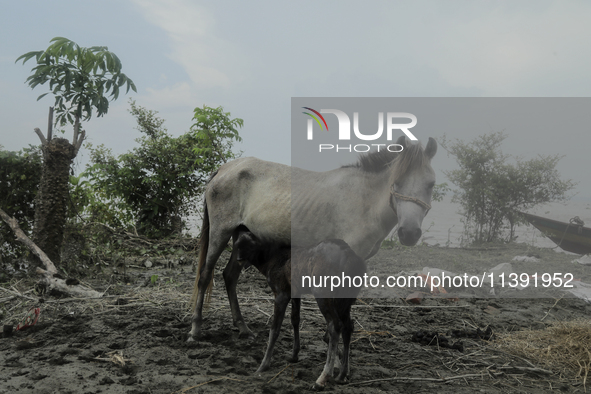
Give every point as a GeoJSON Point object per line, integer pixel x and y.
{"type": "Point", "coordinates": [82, 81]}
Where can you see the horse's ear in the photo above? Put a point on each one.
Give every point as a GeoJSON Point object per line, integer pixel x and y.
{"type": "Point", "coordinates": [431, 148]}
{"type": "Point", "coordinates": [403, 141]}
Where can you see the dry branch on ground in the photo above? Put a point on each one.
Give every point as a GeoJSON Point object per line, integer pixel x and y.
{"type": "Point", "coordinates": [48, 278]}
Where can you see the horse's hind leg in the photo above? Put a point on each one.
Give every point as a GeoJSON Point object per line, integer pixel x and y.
{"type": "Point", "coordinates": [231, 274]}
{"type": "Point", "coordinates": [215, 247]}
{"type": "Point", "coordinates": [295, 322]}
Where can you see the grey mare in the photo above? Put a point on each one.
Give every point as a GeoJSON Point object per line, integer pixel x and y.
{"type": "Point", "coordinates": [359, 203]}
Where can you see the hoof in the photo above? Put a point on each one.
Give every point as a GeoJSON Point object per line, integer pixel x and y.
{"type": "Point", "coordinates": [261, 370]}
{"type": "Point", "coordinates": [293, 360]}
{"type": "Point", "coordinates": [194, 334]}
{"type": "Point", "coordinates": [193, 338]}
{"type": "Point", "coordinates": [244, 331]}
{"type": "Point", "coordinates": [246, 335]}
{"type": "Point", "coordinates": [317, 387]}
{"type": "Point", "coordinates": [340, 380]}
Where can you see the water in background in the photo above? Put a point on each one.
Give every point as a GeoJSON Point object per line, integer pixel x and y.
{"type": "Point", "coordinates": [443, 225]}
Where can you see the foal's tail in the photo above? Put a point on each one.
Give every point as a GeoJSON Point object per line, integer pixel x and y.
{"type": "Point", "coordinates": [203, 245]}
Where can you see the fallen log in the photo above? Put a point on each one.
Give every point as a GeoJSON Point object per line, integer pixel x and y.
{"type": "Point", "coordinates": [48, 278]}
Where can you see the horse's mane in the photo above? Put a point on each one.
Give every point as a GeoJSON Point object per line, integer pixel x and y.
{"type": "Point", "coordinates": [413, 156]}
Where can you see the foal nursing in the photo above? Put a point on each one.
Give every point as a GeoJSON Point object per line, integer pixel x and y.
{"type": "Point", "coordinates": [278, 263]}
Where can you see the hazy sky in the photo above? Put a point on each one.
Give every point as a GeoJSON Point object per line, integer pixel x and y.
{"type": "Point", "coordinates": [252, 57]}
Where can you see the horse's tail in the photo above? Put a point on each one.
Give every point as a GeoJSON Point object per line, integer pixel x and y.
{"type": "Point", "coordinates": [203, 245]}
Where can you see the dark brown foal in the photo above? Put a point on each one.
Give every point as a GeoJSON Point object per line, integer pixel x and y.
{"type": "Point", "coordinates": [325, 259]}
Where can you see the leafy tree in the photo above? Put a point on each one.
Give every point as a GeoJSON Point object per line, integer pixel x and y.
{"type": "Point", "coordinates": [20, 173]}
{"type": "Point", "coordinates": [492, 189]}
{"type": "Point", "coordinates": [82, 80]}
{"type": "Point", "coordinates": [92, 203]}
{"type": "Point", "coordinates": [159, 181]}
{"type": "Point", "coordinates": [79, 78]}
{"type": "Point", "coordinates": [215, 133]}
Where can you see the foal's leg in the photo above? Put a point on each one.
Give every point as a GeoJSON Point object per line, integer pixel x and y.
{"type": "Point", "coordinates": [333, 328]}
{"type": "Point", "coordinates": [231, 274]}
{"type": "Point", "coordinates": [281, 301]}
{"type": "Point", "coordinates": [215, 247]}
{"type": "Point", "coordinates": [347, 331]}
{"type": "Point", "coordinates": [326, 340]}
{"type": "Point", "coordinates": [295, 322]}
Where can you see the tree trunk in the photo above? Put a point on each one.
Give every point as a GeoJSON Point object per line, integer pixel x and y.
{"type": "Point", "coordinates": [52, 198]}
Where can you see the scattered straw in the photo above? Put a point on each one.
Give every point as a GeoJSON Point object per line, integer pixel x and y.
{"type": "Point", "coordinates": [116, 357]}
{"type": "Point", "coordinates": [186, 389]}
{"type": "Point", "coordinates": [278, 373]}
{"type": "Point", "coordinates": [562, 347]}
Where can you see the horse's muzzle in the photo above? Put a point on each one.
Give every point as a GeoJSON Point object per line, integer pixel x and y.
{"type": "Point", "coordinates": [409, 236]}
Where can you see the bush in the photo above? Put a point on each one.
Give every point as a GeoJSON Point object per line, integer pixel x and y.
{"type": "Point", "coordinates": [492, 190]}
{"type": "Point", "coordinates": [20, 173]}
{"type": "Point", "coordinates": [158, 182]}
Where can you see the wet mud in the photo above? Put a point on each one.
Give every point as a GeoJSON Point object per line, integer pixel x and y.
{"type": "Point", "coordinates": [134, 340]}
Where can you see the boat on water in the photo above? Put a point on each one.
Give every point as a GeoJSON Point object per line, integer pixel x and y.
{"type": "Point", "coordinates": [571, 236]}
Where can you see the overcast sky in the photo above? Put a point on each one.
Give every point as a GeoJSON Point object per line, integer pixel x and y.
{"type": "Point", "coordinates": [251, 57]}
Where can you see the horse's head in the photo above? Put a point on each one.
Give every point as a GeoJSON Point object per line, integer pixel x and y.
{"type": "Point", "coordinates": [413, 179]}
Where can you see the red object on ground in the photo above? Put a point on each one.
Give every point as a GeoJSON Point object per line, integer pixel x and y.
{"type": "Point", "coordinates": [415, 298]}
{"type": "Point", "coordinates": [429, 284]}
{"type": "Point", "coordinates": [30, 319]}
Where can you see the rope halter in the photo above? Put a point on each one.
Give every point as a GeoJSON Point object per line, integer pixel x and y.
{"type": "Point", "coordinates": [423, 204]}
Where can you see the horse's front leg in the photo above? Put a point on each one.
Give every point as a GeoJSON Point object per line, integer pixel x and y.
{"type": "Point", "coordinates": [331, 356]}
{"type": "Point", "coordinates": [334, 328]}
{"type": "Point", "coordinates": [231, 274]}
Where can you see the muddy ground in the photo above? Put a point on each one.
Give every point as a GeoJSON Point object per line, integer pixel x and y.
{"type": "Point", "coordinates": [134, 340]}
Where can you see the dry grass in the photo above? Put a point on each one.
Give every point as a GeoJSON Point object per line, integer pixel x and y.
{"type": "Point", "coordinates": [563, 347]}
{"type": "Point", "coordinates": [15, 301]}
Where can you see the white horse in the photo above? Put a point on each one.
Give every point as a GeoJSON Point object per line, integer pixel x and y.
{"type": "Point", "coordinates": [359, 203]}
